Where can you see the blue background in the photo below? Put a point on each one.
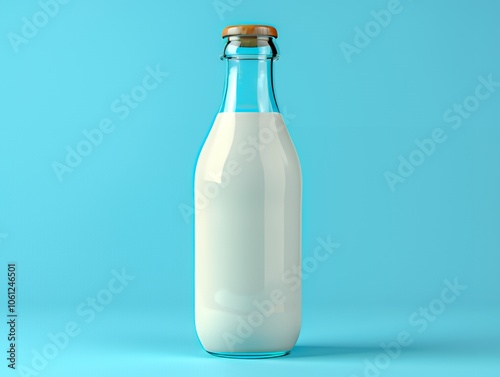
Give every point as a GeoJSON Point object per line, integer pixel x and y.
{"type": "Point", "coordinates": [350, 122]}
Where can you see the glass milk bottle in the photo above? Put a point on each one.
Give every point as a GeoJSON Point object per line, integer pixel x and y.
{"type": "Point", "coordinates": [248, 192]}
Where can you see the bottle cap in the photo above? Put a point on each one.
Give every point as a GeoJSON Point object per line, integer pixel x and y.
{"type": "Point", "coordinates": [250, 30]}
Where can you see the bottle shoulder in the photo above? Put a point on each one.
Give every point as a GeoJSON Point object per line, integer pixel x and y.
{"type": "Point", "coordinates": [248, 139]}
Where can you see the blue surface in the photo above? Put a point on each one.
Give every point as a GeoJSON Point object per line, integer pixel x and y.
{"type": "Point", "coordinates": [355, 106]}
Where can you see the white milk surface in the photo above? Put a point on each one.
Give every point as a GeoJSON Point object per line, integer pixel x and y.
{"type": "Point", "coordinates": [248, 236]}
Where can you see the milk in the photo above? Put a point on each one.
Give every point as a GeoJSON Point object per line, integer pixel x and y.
{"type": "Point", "coordinates": [247, 236]}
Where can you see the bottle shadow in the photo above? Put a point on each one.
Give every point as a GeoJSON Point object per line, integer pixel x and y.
{"type": "Point", "coordinates": [437, 348]}
{"type": "Point", "coordinates": [334, 351]}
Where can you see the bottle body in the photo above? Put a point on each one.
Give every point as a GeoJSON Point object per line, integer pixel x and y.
{"type": "Point", "coordinates": [248, 191]}
{"type": "Point", "coordinates": [247, 236]}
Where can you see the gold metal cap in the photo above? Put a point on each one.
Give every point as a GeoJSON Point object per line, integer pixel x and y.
{"type": "Point", "coordinates": [250, 30]}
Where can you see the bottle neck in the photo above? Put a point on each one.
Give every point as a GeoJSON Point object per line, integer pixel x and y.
{"type": "Point", "coordinates": [249, 77]}
{"type": "Point", "coordinates": [249, 86]}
